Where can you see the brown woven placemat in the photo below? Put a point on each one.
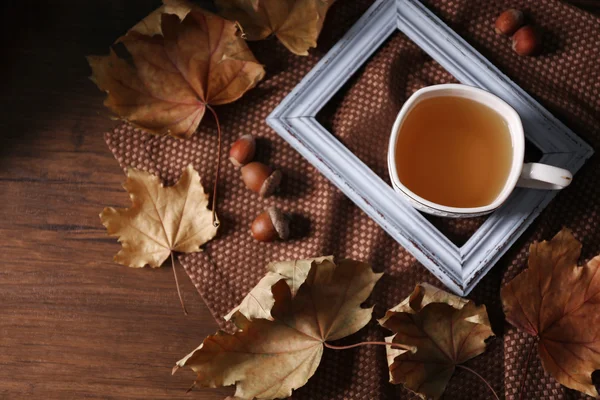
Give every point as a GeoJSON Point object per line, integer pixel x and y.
{"type": "Point", "coordinates": [564, 78]}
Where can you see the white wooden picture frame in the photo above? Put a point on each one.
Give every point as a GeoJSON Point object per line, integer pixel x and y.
{"type": "Point", "coordinates": [459, 268]}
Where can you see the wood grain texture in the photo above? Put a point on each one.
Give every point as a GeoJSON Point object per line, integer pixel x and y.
{"type": "Point", "coordinates": [73, 324]}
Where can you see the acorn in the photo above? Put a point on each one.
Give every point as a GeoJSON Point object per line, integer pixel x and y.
{"type": "Point", "coordinates": [242, 150]}
{"type": "Point", "coordinates": [270, 225]}
{"type": "Point", "coordinates": [526, 41]}
{"type": "Point", "coordinates": [261, 178]}
{"type": "Point", "coordinates": [509, 21]}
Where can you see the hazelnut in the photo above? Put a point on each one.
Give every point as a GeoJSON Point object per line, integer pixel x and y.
{"type": "Point", "coordinates": [270, 225]}
{"type": "Point", "coordinates": [260, 178]}
{"type": "Point", "coordinates": [242, 150]}
{"type": "Point", "coordinates": [525, 41]}
{"type": "Point", "coordinates": [509, 21]}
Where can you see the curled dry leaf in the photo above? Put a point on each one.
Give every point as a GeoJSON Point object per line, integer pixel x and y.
{"type": "Point", "coordinates": [559, 303]}
{"type": "Point", "coordinates": [259, 302]}
{"type": "Point", "coordinates": [180, 60]}
{"type": "Point", "coordinates": [161, 219]}
{"type": "Point", "coordinates": [442, 330]}
{"type": "Point", "coordinates": [296, 23]}
{"type": "Point", "coordinates": [267, 359]}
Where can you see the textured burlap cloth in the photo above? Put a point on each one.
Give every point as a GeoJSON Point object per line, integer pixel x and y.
{"type": "Point", "coordinates": [564, 78]}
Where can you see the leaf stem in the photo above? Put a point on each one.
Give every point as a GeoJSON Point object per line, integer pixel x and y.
{"type": "Point", "coordinates": [480, 377]}
{"type": "Point", "coordinates": [191, 387]}
{"type": "Point", "coordinates": [398, 345]}
{"type": "Point", "coordinates": [218, 172]}
{"type": "Point", "coordinates": [177, 284]}
{"type": "Point", "coordinates": [522, 386]}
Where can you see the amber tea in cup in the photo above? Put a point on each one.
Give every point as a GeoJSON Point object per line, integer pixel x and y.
{"type": "Point", "coordinates": [454, 151]}
{"type": "Point", "coordinates": [458, 151]}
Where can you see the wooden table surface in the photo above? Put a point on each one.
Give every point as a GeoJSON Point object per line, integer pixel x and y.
{"type": "Point", "coordinates": [73, 324]}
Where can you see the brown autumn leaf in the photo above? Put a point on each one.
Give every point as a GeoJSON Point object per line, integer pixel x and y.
{"type": "Point", "coordinates": [558, 302]}
{"type": "Point", "coordinates": [180, 60]}
{"type": "Point", "coordinates": [440, 331]}
{"type": "Point", "coordinates": [267, 359]}
{"type": "Point", "coordinates": [296, 23]}
{"type": "Point", "coordinates": [161, 220]}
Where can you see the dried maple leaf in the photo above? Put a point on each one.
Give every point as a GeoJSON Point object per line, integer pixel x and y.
{"type": "Point", "coordinates": [259, 302]}
{"type": "Point", "coordinates": [181, 59]}
{"type": "Point", "coordinates": [439, 331]}
{"type": "Point", "coordinates": [296, 23]}
{"type": "Point", "coordinates": [268, 359]}
{"type": "Point", "coordinates": [152, 24]}
{"type": "Point", "coordinates": [559, 303]}
{"type": "Point", "coordinates": [161, 220]}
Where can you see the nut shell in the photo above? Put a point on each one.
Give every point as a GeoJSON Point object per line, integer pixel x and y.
{"type": "Point", "coordinates": [526, 41]}
{"type": "Point", "coordinates": [242, 150]}
{"type": "Point", "coordinates": [260, 178]}
{"type": "Point", "coordinates": [509, 21]}
{"type": "Point", "coordinates": [263, 229]}
{"type": "Point", "coordinates": [255, 174]}
{"type": "Point", "coordinates": [270, 225]}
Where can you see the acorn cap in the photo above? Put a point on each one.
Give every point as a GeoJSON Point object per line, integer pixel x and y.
{"type": "Point", "coordinates": [280, 222]}
{"type": "Point", "coordinates": [270, 184]}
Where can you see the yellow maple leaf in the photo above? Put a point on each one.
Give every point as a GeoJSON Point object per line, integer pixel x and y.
{"type": "Point", "coordinates": [161, 220]}
{"type": "Point", "coordinates": [266, 358]}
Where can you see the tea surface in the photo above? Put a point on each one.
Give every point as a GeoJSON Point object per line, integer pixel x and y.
{"type": "Point", "coordinates": [454, 151]}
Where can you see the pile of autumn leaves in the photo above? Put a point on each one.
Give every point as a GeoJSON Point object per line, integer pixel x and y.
{"type": "Point", "coordinates": [298, 307]}
{"type": "Point", "coordinates": [287, 320]}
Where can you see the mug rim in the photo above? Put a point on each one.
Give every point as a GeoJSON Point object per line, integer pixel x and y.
{"type": "Point", "coordinates": [476, 94]}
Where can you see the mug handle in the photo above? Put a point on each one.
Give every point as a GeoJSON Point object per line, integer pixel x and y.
{"type": "Point", "coordinates": [543, 176]}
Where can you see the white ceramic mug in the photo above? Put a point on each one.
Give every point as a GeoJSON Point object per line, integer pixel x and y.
{"type": "Point", "coordinates": [531, 175]}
